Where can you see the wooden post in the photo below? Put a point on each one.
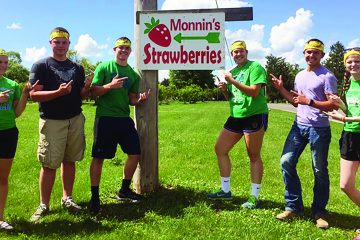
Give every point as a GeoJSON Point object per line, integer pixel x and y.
{"type": "Point", "coordinates": [146, 177]}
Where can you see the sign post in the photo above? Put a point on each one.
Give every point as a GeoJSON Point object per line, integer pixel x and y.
{"type": "Point", "coordinates": [175, 39]}
{"type": "Point", "coordinates": [146, 177]}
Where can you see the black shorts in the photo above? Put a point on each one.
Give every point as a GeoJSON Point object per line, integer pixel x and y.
{"type": "Point", "coordinates": [350, 146]}
{"type": "Point", "coordinates": [8, 142]}
{"type": "Point", "coordinates": [247, 124]}
{"type": "Point", "coordinates": [111, 131]}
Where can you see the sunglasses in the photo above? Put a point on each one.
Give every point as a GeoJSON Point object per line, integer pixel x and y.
{"type": "Point", "coordinates": [353, 48]}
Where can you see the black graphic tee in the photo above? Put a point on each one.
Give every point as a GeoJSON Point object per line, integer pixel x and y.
{"type": "Point", "coordinates": [51, 74]}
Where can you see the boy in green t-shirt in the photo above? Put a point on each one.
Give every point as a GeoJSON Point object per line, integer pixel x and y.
{"type": "Point", "coordinates": [116, 85]}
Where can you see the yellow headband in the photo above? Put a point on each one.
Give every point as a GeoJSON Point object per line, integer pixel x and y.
{"type": "Point", "coordinates": [351, 52]}
{"type": "Point", "coordinates": [237, 45]}
{"type": "Point", "coordinates": [3, 53]}
{"type": "Point", "coordinates": [313, 44]}
{"type": "Point", "coordinates": [59, 34]}
{"type": "Point", "coordinates": [122, 42]}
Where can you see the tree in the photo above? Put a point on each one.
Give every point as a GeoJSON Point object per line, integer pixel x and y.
{"type": "Point", "coordinates": [335, 62]}
{"type": "Point", "coordinates": [183, 78]}
{"type": "Point", "coordinates": [14, 57]}
{"type": "Point", "coordinates": [16, 71]}
{"type": "Point", "coordinates": [278, 66]}
{"type": "Point", "coordinates": [89, 68]}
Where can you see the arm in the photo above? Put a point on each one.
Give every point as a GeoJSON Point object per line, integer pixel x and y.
{"type": "Point", "coordinates": [351, 119]}
{"type": "Point", "coordinates": [20, 105]}
{"type": "Point", "coordinates": [85, 91]}
{"type": "Point", "coordinates": [278, 84]}
{"type": "Point", "coordinates": [341, 117]}
{"type": "Point", "coordinates": [252, 91]}
{"type": "Point", "coordinates": [136, 99]}
{"type": "Point", "coordinates": [326, 106]}
{"type": "Point", "coordinates": [223, 88]}
{"type": "Point", "coordinates": [115, 83]}
{"type": "Point", "coordinates": [37, 95]}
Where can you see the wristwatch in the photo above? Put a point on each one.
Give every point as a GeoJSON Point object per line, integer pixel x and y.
{"type": "Point", "coordinates": [311, 103]}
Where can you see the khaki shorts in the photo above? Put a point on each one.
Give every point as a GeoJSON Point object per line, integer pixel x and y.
{"type": "Point", "coordinates": [61, 140]}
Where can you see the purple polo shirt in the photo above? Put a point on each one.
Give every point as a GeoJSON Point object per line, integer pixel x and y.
{"type": "Point", "coordinates": [314, 85]}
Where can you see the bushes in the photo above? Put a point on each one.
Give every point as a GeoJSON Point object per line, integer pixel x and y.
{"type": "Point", "coordinates": [188, 94]}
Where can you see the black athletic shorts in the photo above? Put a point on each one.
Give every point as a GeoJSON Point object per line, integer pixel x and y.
{"type": "Point", "coordinates": [350, 146]}
{"type": "Point", "coordinates": [111, 131]}
{"type": "Point", "coordinates": [247, 124]}
{"type": "Point", "coordinates": [8, 142]}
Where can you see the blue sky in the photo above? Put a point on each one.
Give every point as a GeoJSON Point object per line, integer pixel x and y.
{"type": "Point", "coordinates": [279, 27]}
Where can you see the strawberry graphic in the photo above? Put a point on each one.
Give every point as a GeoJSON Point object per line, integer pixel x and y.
{"type": "Point", "coordinates": [158, 33]}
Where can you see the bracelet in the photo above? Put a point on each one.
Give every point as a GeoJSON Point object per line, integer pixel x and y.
{"type": "Point", "coordinates": [343, 119]}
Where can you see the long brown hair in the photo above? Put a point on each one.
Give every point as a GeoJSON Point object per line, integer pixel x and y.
{"type": "Point", "coordinates": [345, 85]}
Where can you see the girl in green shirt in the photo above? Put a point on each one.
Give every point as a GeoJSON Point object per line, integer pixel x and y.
{"type": "Point", "coordinates": [12, 104]}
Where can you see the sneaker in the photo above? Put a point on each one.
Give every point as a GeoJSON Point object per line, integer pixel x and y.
{"type": "Point", "coordinates": [40, 212]}
{"type": "Point", "coordinates": [129, 195]}
{"type": "Point", "coordinates": [95, 206]}
{"type": "Point", "coordinates": [5, 226]}
{"type": "Point", "coordinates": [286, 215]}
{"type": "Point", "coordinates": [251, 203]}
{"type": "Point", "coordinates": [321, 222]}
{"type": "Point", "coordinates": [70, 205]}
{"type": "Point", "coordinates": [221, 195]}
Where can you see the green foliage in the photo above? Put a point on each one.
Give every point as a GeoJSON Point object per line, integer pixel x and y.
{"type": "Point", "coordinates": [182, 78]}
{"type": "Point", "coordinates": [335, 62]}
{"type": "Point", "coordinates": [17, 72]}
{"type": "Point", "coordinates": [278, 66]}
{"type": "Point", "coordinates": [89, 68]}
{"type": "Point", "coordinates": [14, 57]}
{"type": "Point", "coordinates": [167, 93]}
{"type": "Point", "coordinates": [191, 94]}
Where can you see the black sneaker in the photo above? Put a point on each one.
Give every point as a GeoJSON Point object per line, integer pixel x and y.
{"type": "Point", "coordinates": [95, 206]}
{"type": "Point", "coordinates": [129, 195]}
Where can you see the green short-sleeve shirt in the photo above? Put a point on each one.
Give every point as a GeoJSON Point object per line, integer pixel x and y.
{"type": "Point", "coordinates": [115, 103]}
{"type": "Point", "coordinates": [7, 111]}
{"type": "Point", "coordinates": [242, 105]}
{"type": "Point", "coordinates": [353, 106]}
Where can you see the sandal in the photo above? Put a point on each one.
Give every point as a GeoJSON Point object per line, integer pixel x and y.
{"type": "Point", "coordinates": [4, 225]}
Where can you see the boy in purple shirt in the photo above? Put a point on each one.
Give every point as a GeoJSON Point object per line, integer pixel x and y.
{"type": "Point", "coordinates": [313, 87]}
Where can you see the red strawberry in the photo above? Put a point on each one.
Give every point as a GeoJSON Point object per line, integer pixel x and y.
{"type": "Point", "coordinates": [158, 33]}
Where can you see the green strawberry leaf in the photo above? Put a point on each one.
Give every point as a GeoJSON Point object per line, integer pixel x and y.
{"type": "Point", "coordinates": [148, 25]}
{"type": "Point", "coordinates": [146, 31]}
{"type": "Point", "coordinates": [152, 21]}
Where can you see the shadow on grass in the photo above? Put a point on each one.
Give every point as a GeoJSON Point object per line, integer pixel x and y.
{"type": "Point", "coordinates": [171, 202]}
{"type": "Point", "coordinates": [335, 219]}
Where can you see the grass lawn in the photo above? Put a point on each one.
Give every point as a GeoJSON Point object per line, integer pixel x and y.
{"type": "Point", "coordinates": [188, 171]}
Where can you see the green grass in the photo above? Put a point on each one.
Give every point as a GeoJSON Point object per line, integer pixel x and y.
{"type": "Point", "coordinates": [188, 171]}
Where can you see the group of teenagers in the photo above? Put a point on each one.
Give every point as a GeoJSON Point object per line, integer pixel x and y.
{"type": "Point", "coordinates": [316, 97]}
{"type": "Point", "coordinates": [59, 85]}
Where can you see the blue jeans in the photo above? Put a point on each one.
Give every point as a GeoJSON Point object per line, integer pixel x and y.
{"type": "Point", "coordinates": [319, 139]}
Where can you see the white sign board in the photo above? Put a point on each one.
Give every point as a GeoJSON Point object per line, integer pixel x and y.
{"type": "Point", "coordinates": [182, 41]}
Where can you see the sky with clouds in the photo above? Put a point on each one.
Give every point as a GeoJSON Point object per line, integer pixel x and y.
{"type": "Point", "coordinates": [278, 27]}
